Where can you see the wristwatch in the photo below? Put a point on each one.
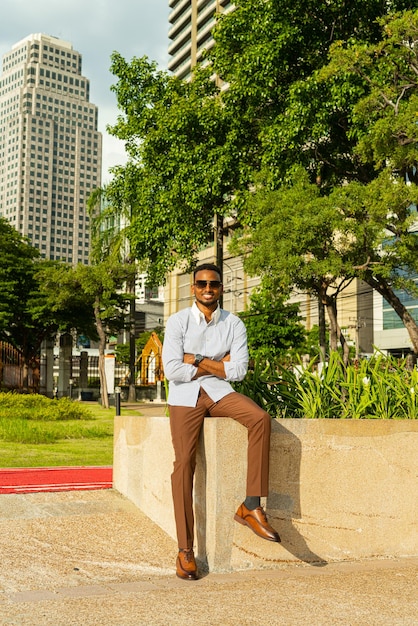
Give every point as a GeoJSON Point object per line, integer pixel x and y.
{"type": "Point", "coordinates": [198, 358]}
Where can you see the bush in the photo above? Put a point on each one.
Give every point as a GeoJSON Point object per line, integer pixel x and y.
{"type": "Point", "coordinates": [381, 388]}
{"type": "Point", "coordinates": [40, 408]}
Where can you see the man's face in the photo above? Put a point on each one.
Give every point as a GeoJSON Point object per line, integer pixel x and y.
{"type": "Point", "coordinates": [207, 288]}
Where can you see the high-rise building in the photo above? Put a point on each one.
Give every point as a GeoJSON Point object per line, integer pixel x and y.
{"type": "Point", "coordinates": [191, 32]}
{"type": "Point", "coordinates": [50, 148]}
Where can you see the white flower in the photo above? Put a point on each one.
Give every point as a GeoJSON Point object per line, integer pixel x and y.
{"type": "Point", "coordinates": [366, 380]}
{"type": "Point", "coordinates": [412, 391]}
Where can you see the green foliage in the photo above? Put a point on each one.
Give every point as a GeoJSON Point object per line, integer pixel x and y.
{"type": "Point", "coordinates": [318, 121]}
{"type": "Point", "coordinates": [331, 88]}
{"type": "Point", "coordinates": [183, 167]}
{"type": "Point", "coordinates": [260, 384]}
{"type": "Point", "coordinates": [17, 267]}
{"type": "Point", "coordinates": [274, 328]}
{"type": "Point", "coordinates": [60, 302]}
{"type": "Point", "coordinates": [312, 346]}
{"type": "Point", "coordinates": [94, 294]}
{"type": "Point", "coordinates": [303, 248]}
{"type": "Point", "coordinates": [268, 52]}
{"type": "Point", "coordinates": [24, 431]}
{"type": "Point", "coordinates": [21, 323]}
{"type": "Point", "coordinates": [382, 388]}
{"type": "Point", "coordinates": [42, 297]}
{"type": "Point", "coordinates": [40, 408]}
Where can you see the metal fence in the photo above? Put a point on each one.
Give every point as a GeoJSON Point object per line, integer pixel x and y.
{"type": "Point", "coordinates": [121, 371]}
{"type": "Point", "coordinates": [15, 374]}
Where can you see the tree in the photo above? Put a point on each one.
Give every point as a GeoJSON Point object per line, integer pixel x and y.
{"type": "Point", "coordinates": [183, 166]}
{"type": "Point", "coordinates": [17, 266]}
{"type": "Point", "coordinates": [295, 243]}
{"type": "Point", "coordinates": [111, 213]}
{"type": "Point", "coordinates": [382, 212]}
{"type": "Point", "coordinates": [26, 317]}
{"type": "Point", "coordinates": [381, 239]}
{"type": "Point", "coordinates": [99, 290]}
{"type": "Point", "coordinates": [268, 53]}
{"type": "Point", "coordinates": [274, 327]}
{"type": "Point", "coordinates": [18, 263]}
{"type": "Point", "coordinates": [346, 122]}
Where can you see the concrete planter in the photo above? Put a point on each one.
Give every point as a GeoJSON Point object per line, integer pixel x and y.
{"type": "Point", "coordinates": [339, 489]}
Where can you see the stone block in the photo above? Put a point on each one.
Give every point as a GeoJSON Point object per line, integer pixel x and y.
{"type": "Point", "coordinates": [339, 489]}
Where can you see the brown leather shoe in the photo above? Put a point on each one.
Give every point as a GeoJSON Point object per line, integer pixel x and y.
{"type": "Point", "coordinates": [257, 521]}
{"type": "Point", "coordinates": [186, 567]}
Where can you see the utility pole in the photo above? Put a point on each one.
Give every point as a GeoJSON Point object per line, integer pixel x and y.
{"type": "Point", "coordinates": [219, 245]}
{"type": "Point", "coordinates": [358, 323]}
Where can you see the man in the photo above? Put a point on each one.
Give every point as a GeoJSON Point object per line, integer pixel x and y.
{"type": "Point", "coordinates": [204, 348]}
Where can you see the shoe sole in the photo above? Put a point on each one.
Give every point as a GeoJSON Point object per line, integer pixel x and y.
{"type": "Point", "coordinates": [242, 521]}
{"type": "Point", "coordinates": [186, 577]}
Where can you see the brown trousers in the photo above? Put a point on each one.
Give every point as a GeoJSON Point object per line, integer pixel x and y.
{"type": "Point", "coordinates": [186, 423]}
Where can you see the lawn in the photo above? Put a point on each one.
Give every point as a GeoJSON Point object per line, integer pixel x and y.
{"type": "Point", "coordinates": [82, 434]}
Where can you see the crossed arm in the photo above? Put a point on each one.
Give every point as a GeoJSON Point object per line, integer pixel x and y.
{"type": "Point", "coordinates": [208, 366]}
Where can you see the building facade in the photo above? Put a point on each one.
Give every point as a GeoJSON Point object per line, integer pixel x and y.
{"type": "Point", "coordinates": [50, 148]}
{"type": "Point", "coordinates": [191, 23]}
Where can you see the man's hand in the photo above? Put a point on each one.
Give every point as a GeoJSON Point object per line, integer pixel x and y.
{"type": "Point", "coordinates": [208, 366]}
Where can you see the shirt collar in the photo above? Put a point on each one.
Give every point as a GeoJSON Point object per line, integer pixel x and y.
{"type": "Point", "coordinates": [199, 316]}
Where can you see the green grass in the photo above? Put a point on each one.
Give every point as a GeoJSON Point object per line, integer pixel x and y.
{"type": "Point", "coordinates": [37, 432]}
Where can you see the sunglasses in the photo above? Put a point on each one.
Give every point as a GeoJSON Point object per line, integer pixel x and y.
{"type": "Point", "coordinates": [213, 284]}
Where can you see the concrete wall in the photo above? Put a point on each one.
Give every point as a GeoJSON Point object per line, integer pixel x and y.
{"type": "Point", "coordinates": [339, 489]}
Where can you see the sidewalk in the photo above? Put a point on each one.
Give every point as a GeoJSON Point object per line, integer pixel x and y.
{"type": "Point", "coordinates": [92, 558]}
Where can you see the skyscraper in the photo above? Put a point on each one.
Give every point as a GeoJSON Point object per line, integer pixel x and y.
{"type": "Point", "coordinates": [50, 148]}
{"type": "Point", "coordinates": [191, 32]}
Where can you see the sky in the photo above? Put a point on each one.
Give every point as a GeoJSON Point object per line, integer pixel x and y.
{"type": "Point", "coordinates": [95, 28]}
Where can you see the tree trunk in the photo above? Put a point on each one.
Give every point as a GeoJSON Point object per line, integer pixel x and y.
{"type": "Point", "coordinates": [132, 346]}
{"type": "Point", "coordinates": [335, 330]}
{"type": "Point", "coordinates": [322, 331]}
{"type": "Point", "coordinates": [104, 396]}
{"type": "Point", "coordinates": [382, 287]}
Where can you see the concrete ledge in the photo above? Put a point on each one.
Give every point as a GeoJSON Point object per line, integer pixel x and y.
{"type": "Point", "coordinates": [339, 489]}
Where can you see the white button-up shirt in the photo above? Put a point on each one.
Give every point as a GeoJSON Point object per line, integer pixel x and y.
{"type": "Point", "coordinates": [188, 332]}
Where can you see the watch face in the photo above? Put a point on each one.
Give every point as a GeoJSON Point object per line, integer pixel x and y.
{"type": "Point", "coordinates": [198, 358]}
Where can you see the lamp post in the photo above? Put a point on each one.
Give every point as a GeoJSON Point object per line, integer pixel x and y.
{"type": "Point", "coordinates": [117, 400]}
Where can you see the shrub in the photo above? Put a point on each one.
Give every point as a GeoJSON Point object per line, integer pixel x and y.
{"type": "Point", "coordinates": [381, 388]}
{"type": "Point", "coordinates": [40, 408]}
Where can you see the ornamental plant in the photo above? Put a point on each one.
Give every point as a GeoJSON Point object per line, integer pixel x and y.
{"type": "Point", "coordinates": [379, 388]}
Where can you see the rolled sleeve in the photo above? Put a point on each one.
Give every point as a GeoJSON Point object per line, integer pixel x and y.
{"type": "Point", "coordinates": [236, 368]}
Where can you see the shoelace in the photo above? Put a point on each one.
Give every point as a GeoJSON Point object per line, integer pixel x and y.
{"type": "Point", "coordinates": [188, 555]}
{"type": "Point", "coordinates": [263, 513]}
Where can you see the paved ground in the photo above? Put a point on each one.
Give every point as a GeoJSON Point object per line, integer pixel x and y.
{"type": "Point", "coordinates": [91, 558]}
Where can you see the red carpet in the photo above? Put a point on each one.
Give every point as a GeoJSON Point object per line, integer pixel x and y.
{"type": "Point", "coordinates": [31, 480]}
